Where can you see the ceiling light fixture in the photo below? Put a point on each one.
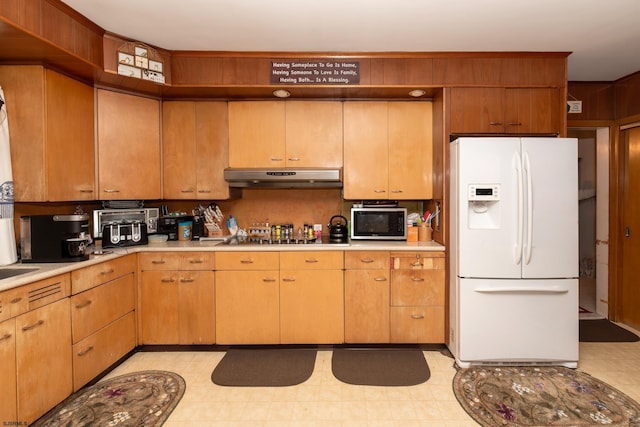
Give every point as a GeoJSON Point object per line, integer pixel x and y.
{"type": "Point", "coordinates": [281, 93]}
{"type": "Point", "coordinates": [417, 93]}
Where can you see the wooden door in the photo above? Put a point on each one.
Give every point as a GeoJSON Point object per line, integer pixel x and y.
{"type": "Point", "coordinates": [628, 299]}
{"type": "Point", "coordinates": [70, 148]}
{"type": "Point", "coordinates": [159, 307]}
{"type": "Point", "coordinates": [477, 110]}
{"type": "Point", "coordinates": [366, 306]}
{"type": "Point", "coordinates": [311, 307]}
{"type": "Point", "coordinates": [410, 150]}
{"type": "Point", "coordinates": [179, 153]}
{"type": "Point", "coordinates": [256, 134]}
{"type": "Point", "coordinates": [247, 307]}
{"type": "Point", "coordinates": [196, 306]}
{"type": "Point", "coordinates": [8, 370]}
{"type": "Point", "coordinates": [532, 110]}
{"type": "Point", "coordinates": [43, 359]}
{"type": "Point", "coordinates": [128, 147]}
{"type": "Point", "coordinates": [212, 150]}
{"type": "Point", "coordinates": [366, 150]}
{"type": "Point", "coordinates": [313, 134]}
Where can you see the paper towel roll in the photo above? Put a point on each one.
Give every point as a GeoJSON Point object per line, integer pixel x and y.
{"type": "Point", "coordinates": [8, 252]}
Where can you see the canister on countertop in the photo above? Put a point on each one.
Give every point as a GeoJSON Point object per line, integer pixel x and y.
{"type": "Point", "coordinates": [184, 230]}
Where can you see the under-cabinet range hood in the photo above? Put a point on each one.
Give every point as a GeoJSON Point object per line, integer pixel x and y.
{"type": "Point", "coordinates": [284, 178]}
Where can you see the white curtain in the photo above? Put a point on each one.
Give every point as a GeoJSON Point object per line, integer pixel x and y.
{"type": "Point", "coordinates": [8, 253]}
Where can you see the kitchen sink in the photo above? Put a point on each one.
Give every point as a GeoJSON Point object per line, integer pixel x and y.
{"type": "Point", "coordinates": [6, 273]}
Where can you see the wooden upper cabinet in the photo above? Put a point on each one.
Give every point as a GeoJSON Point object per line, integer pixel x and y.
{"type": "Point", "coordinates": [195, 144]}
{"type": "Point", "coordinates": [128, 146]}
{"type": "Point", "coordinates": [313, 134]}
{"type": "Point", "coordinates": [388, 150]}
{"type": "Point", "coordinates": [285, 134]}
{"type": "Point", "coordinates": [506, 110]}
{"type": "Point", "coordinates": [51, 126]}
{"type": "Point", "coordinates": [256, 134]}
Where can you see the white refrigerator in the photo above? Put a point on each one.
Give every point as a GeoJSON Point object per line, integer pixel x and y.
{"type": "Point", "coordinates": [514, 251]}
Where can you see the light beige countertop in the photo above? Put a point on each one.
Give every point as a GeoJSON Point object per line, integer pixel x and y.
{"type": "Point", "coordinates": [46, 270]}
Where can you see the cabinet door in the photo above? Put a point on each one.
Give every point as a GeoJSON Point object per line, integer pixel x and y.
{"type": "Point", "coordinates": [196, 307]}
{"type": "Point", "coordinates": [179, 153]}
{"type": "Point", "coordinates": [366, 152]}
{"type": "Point", "coordinates": [532, 110]}
{"type": "Point", "coordinates": [43, 359]}
{"type": "Point", "coordinates": [256, 134]}
{"type": "Point", "coordinates": [313, 133]}
{"type": "Point", "coordinates": [419, 324]}
{"type": "Point", "coordinates": [212, 148]}
{"type": "Point", "coordinates": [477, 110]}
{"type": "Point", "coordinates": [247, 307]}
{"type": "Point", "coordinates": [410, 150]}
{"type": "Point", "coordinates": [159, 307]}
{"type": "Point", "coordinates": [70, 149]}
{"type": "Point", "coordinates": [128, 137]}
{"type": "Point", "coordinates": [311, 307]}
{"type": "Point", "coordinates": [366, 306]}
{"type": "Point", "coordinates": [8, 370]}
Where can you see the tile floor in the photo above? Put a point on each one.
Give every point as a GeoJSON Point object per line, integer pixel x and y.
{"type": "Point", "coordinates": [324, 401]}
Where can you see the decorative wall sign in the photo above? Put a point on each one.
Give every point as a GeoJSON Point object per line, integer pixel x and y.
{"type": "Point", "coordinates": [306, 72]}
{"type": "Point", "coordinates": [141, 62]}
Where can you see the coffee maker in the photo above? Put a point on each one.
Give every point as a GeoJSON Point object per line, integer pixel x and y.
{"type": "Point", "coordinates": [54, 238]}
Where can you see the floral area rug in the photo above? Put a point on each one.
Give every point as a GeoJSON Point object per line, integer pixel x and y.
{"type": "Point", "coordinates": [144, 398]}
{"type": "Point", "coordinates": [541, 396]}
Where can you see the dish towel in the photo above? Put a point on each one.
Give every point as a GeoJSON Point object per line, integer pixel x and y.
{"type": "Point", "coordinates": [8, 252]}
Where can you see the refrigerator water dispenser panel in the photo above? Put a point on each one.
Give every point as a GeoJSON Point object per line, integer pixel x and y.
{"type": "Point", "coordinates": [484, 206]}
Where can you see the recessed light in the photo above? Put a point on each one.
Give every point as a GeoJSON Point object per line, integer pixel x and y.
{"type": "Point", "coordinates": [417, 93]}
{"type": "Point", "coordinates": [281, 93]}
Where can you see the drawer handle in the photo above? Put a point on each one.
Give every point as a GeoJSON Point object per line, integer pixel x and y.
{"type": "Point", "coordinates": [246, 261]}
{"type": "Point", "coordinates": [187, 280]}
{"type": "Point", "coordinates": [85, 351]}
{"type": "Point", "coordinates": [380, 279]}
{"type": "Point", "coordinates": [204, 191]}
{"type": "Point", "coordinates": [366, 260]}
{"type": "Point", "coordinates": [311, 260]}
{"type": "Point", "coordinates": [188, 190]}
{"type": "Point", "coordinates": [110, 190]}
{"type": "Point", "coordinates": [416, 264]}
{"type": "Point", "coordinates": [514, 124]}
{"type": "Point", "coordinates": [277, 159]}
{"type": "Point", "coordinates": [294, 159]}
{"type": "Point", "coordinates": [156, 261]}
{"type": "Point", "coordinates": [288, 279]}
{"type": "Point", "coordinates": [109, 271]}
{"type": "Point", "coordinates": [86, 191]}
{"type": "Point", "coordinates": [396, 191]}
{"type": "Point", "coordinates": [417, 279]}
{"type": "Point", "coordinates": [268, 279]}
{"type": "Point", "coordinates": [379, 191]}
{"type": "Point", "coordinates": [34, 325]}
{"type": "Point", "coordinates": [16, 300]}
{"type": "Point", "coordinates": [5, 337]}
{"type": "Point", "coordinates": [169, 280]}
{"type": "Point", "coordinates": [196, 261]}
{"type": "Point", "coordinates": [84, 304]}
{"type": "Point", "coordinates": [417, 316]}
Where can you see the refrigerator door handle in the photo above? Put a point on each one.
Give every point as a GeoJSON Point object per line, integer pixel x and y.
{"type": "Point", "coordinates": [521, 289]}
{"type": "Point", "coordinates": [518, 249]}
{"type": "Point", "coordinates": [529, 190]}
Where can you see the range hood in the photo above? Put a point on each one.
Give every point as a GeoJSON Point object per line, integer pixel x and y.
{"type": "Point", "coordinates": [284, 178]}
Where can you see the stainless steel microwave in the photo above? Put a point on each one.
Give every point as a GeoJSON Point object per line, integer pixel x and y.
{"type": "Point", "coordinates": [379, 223]}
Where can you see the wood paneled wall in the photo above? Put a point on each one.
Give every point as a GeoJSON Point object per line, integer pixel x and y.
{"type": "Point", "coordinates": [606, 100]}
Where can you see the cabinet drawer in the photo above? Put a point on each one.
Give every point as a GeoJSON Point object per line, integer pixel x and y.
{"type": "Point", "coordinates": [417, 260]}
{"type": "Point", "coordinates": [368, 260]}
{"type": "Point", "coordinates": [177, 261]}
{"type": "Point", "coordinates": [100, 350]}
{"type": "Point", "coordinates": [88, 277]}
{"type": "Point", "coordinates": [417, 324]}
{"type": "Point", "coordinates": [40, 293]}
{"type": "Point", "coordinates": [13, 302]}
{"type": "Point", "coordinates": [99, 306]}
{"type": "Point", "coordinates": [247, 261]}
{"type": "Point", "coordinates": [417, 287]}
{"type": "Point", "coordinates": [316, 260]}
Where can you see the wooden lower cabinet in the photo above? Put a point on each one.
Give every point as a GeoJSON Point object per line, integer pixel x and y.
{"type": "Point", "coordinates": [8, 408]}
{"type": "Point", "coordinates": [43, 359]}
{"type": "Point", "coordinates": [247, 307]}
{"type": "Point", "coordinates": [366, 289]}
{"type": "Point", "coordinates": [177, 293]}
